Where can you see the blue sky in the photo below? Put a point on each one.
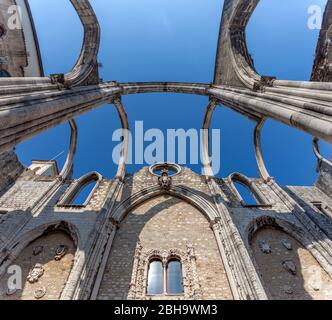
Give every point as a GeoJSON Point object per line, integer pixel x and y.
{"type": "Point", "coordinates": [171, 40]}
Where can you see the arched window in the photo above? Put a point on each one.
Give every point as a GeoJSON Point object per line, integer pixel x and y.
{"type": "Point", "coordinates": [155, 278]}
{"type": "Point", "coordinates": [165, 279]}
{"type": "Point", "coordinates": [81, 191]}
{"type": "Point", "coordinates": [174, 277]}
{"type": "Point", "coordinates": [247, 192]}
{"type": "Point", "coordinates": [247, 196]}
{"type": "Point", "coordinates": [4, 74]}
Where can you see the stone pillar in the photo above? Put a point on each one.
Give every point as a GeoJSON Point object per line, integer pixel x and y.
{"type": "Point", "coordinates": [243, 278]}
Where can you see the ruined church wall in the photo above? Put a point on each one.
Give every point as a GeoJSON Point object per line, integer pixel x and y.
{"type": "Point", "coordinates": [164, 223]}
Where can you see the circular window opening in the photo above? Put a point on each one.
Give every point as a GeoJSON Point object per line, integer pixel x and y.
{"type": "Point", "coordinates": [2, 31]}
{"type": "Point", "coordinates": [171, 168]}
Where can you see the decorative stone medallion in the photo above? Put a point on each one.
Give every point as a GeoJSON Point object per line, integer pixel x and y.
{"type": "Point", "coordinates": [265, 247]}
{"type": "Point", "coordinates": [290, 266]}
{"type": "Point", "coordinates": [35, 273]}
{"type": "Point", "coordinates": [60, 252]}
{"type": "Point", "coordinates": [40, 293]}
{"type": "Point", "coordinates": [287, 244]}
{"type": "Point", "coordinates": [38, 250]}
{"type": "Point", "coordinates": [165, 181]}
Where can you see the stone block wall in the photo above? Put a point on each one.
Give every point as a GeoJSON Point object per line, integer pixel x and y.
{"type": "Point", "coordinates": [307, 281]}
{"type": "Point", "coordinates": [10, 169]}
{"type": "Point", "coordinates": [55, 272]}
{"type": "Point", "coordinates": [164, 223]}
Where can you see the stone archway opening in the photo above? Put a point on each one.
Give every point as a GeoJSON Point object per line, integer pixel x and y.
{"type": "Point", "coordinates": [55, 38]}
{"type": "Point", "coordinates": [278, 34]}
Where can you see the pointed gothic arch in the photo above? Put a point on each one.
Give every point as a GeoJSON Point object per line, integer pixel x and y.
{"type": "Point", "coordinates": [239, 178]}
{"type": "Point", "coordinates": [76, 188]}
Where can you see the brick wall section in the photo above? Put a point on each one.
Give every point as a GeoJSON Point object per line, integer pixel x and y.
{"type": "Point", "coordinates": [160, 223]}
{"type": "Point", "coordinates": [310, 282]}
{"type": "Point", "coordinates": [165, 223]}
{"type": "Point", "coordinates": [23, 194]}
{"type": "Point", "coordinates": [305, 196]}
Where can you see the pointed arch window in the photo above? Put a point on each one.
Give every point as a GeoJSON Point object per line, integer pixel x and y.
{"type": "Point", "coordinates": [83, 194]}
{"type": "Point", "coordinates": [174, 277]}
{"type": "Point", "coordinates": [155, 277]}
{"type": "Point", "coordinates": [247, 192]}
{"type": "Point", "coordinates": [81, 191]}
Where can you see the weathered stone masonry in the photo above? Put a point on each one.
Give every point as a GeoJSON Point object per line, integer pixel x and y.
{"type": "Point", "coordinates": [278, 248]}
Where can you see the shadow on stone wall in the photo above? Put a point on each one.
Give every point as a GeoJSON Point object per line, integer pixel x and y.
{"type": "Point", "coordinates": [123, 249]}
{"type": "Point", "coordinates": [39, 256]}
{"type": "Point", "coordinates": [287, 269]}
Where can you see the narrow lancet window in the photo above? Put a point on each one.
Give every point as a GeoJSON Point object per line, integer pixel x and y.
{"type": "Point", "coordinates": [155, 278]}
{"type": "Point", "coordinates": [83, 194]}
{"type": "Point", "coordinates": [247, 196]}
{"type": "Point", "coordinates": [174, 277]}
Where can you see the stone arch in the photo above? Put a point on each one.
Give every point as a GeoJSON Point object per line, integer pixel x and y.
{"type": "Point", "coordinates": [66, 170]}
{"type": "Point", "coordinates": [179, 192]}
{"type": "Point", "coordinates": [251, 187]}
{"type": "Point", "coordinates": [53, 247]}
{"type": "Point", "coordinates": [179, 221]}
{"type": "Point", "coordinates": [78, 186]}
{"type": "Point", "coordinates": [318, 155]}
{"type": "Point", "coordinates": [68, 166]}
{"type": "Point", "coordinates": [85, 71]}
{"type": "Point", "coordinates": [289, 266]}
{"type": "Point", "coordinates": [86, 68]}
{"type": "Point", "coordinates": [263, 26]}
{"type": "Point", "coordinates": [206, 144]}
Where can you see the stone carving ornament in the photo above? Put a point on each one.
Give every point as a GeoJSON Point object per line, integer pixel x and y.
{"type": "Point", "coordinates": [288, 289]}
{"type": "Point", "coordinates": [290, 266]}
{"type": "Point", "coordinates": [35, 273]}
{"type": "Point", "coordinates": [40, 293]}
{"type": "Point", "coordinates": [287, 244]}
{"type": "Point", "coordinates": [265, 247]}
{"type": "Point", "coordinates": [38, 250]}
{"type": "Point", "coordinates": [60, 252]}
{"type": "Point", "coordinates": [165, 181]}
